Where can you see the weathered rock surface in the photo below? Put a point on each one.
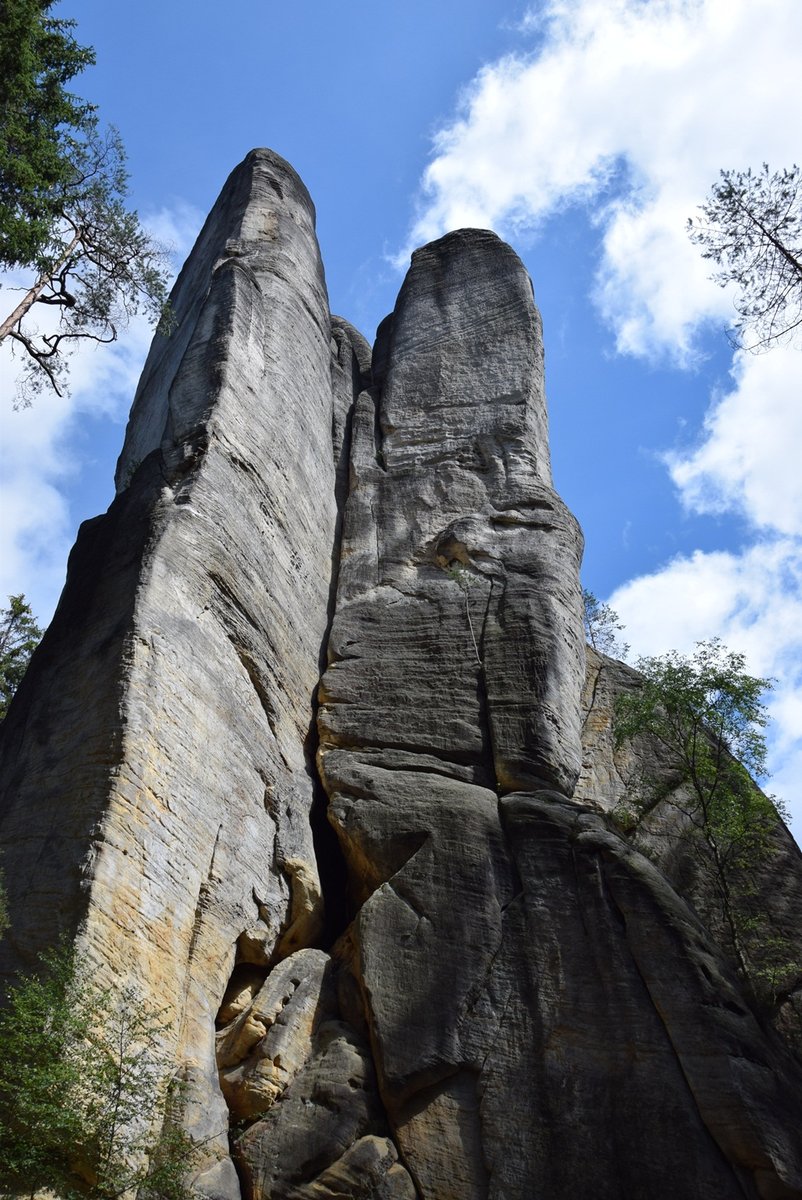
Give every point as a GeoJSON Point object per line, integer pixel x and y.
{"type": "Point", "coordinates": [266, 1046]}
{"type": "Point", "coordinates": [313, 1135]}
{"type": "Point", "coordinates": [509, 992]}
{"type": "Point", "coordinates": [524, 970]}
{"type": "Point", "coordinates": [156, 777]}
{"type": "Point", "coordinates": [457, 626]}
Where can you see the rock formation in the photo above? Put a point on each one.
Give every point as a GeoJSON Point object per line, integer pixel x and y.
{"type": "Point", "coordinates": [305, 758]}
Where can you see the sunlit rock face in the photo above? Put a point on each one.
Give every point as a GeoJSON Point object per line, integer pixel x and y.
{"type": "Point", "coordinates": [403, 949]}
{"type": "Point", "coordinates": [158, 781]}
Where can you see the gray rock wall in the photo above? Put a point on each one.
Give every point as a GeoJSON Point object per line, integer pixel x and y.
{"type": "Point", "coordinates": [636, 785]}
{"type": "Point", "coordinates": [525, 973]}
{"type": "Point", "coordinates": [457, 632]}
{"type": "Point", "coordinates": [158, 787]}
{"type": "Point", "coordinates": [406, 945]}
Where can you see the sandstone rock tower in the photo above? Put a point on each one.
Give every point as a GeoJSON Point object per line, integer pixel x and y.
{"type": "Point", "coordinates": [298, 760]}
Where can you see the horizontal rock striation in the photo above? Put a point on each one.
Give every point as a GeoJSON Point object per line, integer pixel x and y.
{"type": "Point", "coordinates": [409, 946]}
{"type": "Point", "coordinates": [525, 973]}
{"type": "Point", "coordinates": [458, 584]}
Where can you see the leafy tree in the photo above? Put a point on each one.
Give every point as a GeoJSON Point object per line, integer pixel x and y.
{"type": "Point", "coordinates": [602, 626]}
{"type": "Point", "coordinates": [40, 119]}
{"type": "Point", "coordinates": [80, 1091]}
{"type": "Point", "coordinates": [63, 214]}
{"type": "Point", "coordinates": [19, 637]}
{"type": "Point", "coordinates": [708, 715]}
{"type": "Point", "coordinates": [751, 229]}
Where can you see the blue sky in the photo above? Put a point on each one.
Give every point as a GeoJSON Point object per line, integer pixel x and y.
{"type": "Point", "coordinates": [585, 132]}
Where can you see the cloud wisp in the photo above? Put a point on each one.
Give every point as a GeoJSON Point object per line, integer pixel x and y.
{"type": "Point", "coordinates": [630, 108]}
{"type": "Point", "coordinates": [41, 456]}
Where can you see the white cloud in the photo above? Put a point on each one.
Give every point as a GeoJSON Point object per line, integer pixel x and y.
{"type": "Point", "coordinates": [40, 463]}
{"type": "Point", "coordinates": [175, 227]}
{"type": "Point", "coordinates": [41, 460]}
{"type": "Point", "coordinates": [752, 599]}
{"type": "Point", "coordinates": [632, 107]}
{"type": "Point", "coordinates": [749, 456]}
{"type": "Point", "coordinates": [648, 100]}
{"type": "Point", "coordinates": [747, 460]}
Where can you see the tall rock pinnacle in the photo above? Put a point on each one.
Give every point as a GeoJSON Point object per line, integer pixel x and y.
{"type": "Point", "coordinates": [403, 951]}
{"type": "Point", "coordinates": [157, 789]}
{"type": "Point", "coordinates": [459, 565]}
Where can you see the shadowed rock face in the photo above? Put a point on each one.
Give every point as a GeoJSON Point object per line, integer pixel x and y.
{"type": "Point", "coordinates": [501, 996]}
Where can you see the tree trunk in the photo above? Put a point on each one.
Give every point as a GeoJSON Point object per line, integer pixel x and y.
{"type": "Point", "coordinates": [29, 299]}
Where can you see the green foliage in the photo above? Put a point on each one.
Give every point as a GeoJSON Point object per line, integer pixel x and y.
{"type": "Point", "coordinates": [81, 1090]}
{"type": "Point", "coordinates": [705, 709]}
{"type": "Point", "coordinates": [773, 969]}
{"type": "Point", "coordinates": [625, 816]}
{"type": "Point", "coordinates": [751, 229]}
{"type": "Point", "coordinates": [40, 125]}
{"type": "Point", "coordinates": [708, 714]}
{"type": "Point", "coordinates": [602, 626]}
{"type": "Point", "coordinates": [63, 187]}
{"type": "Point", "coordinates": [461, 576]}
{"type": "Point", "coordinates": [19, 637]}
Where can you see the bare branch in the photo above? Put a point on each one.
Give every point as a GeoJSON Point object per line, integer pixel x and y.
{"type": "Point", "coordinates": [752, 230]}
{"type": "Point", "coordinates": [98, 268]}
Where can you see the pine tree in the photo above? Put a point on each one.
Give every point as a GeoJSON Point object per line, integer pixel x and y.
{"type": "Point", "coordinates": [751, 228]}
{"type": "Point", "coordinates": [19, 637]}
{"type": "Point", "coordinates": [64, 222]}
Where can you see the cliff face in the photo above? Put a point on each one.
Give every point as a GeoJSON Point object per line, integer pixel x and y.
{"type": "Point", "coordinates": [435, 966]}
{"type": "Point", "coordinates": [158, 782]}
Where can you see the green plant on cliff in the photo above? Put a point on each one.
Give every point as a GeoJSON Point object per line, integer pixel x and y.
{"type": "Point", "coordinates": [19, 637]}
{"type": "Point", "coordinates": [465, 581]}
{"type": "Point", "coordinates": [602, 626]}
{"type": "Point", "coordinates": [708, 715]}
{"type": "Point", "coordinates": [81, 1091]}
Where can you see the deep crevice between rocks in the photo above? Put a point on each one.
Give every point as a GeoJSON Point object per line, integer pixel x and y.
{"type": "Point", "coordinates": [339, 907]}
{"type": "Point", "coordinates": [331, 864]}
{"type": "Point", "coordinates": [338, 910]}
